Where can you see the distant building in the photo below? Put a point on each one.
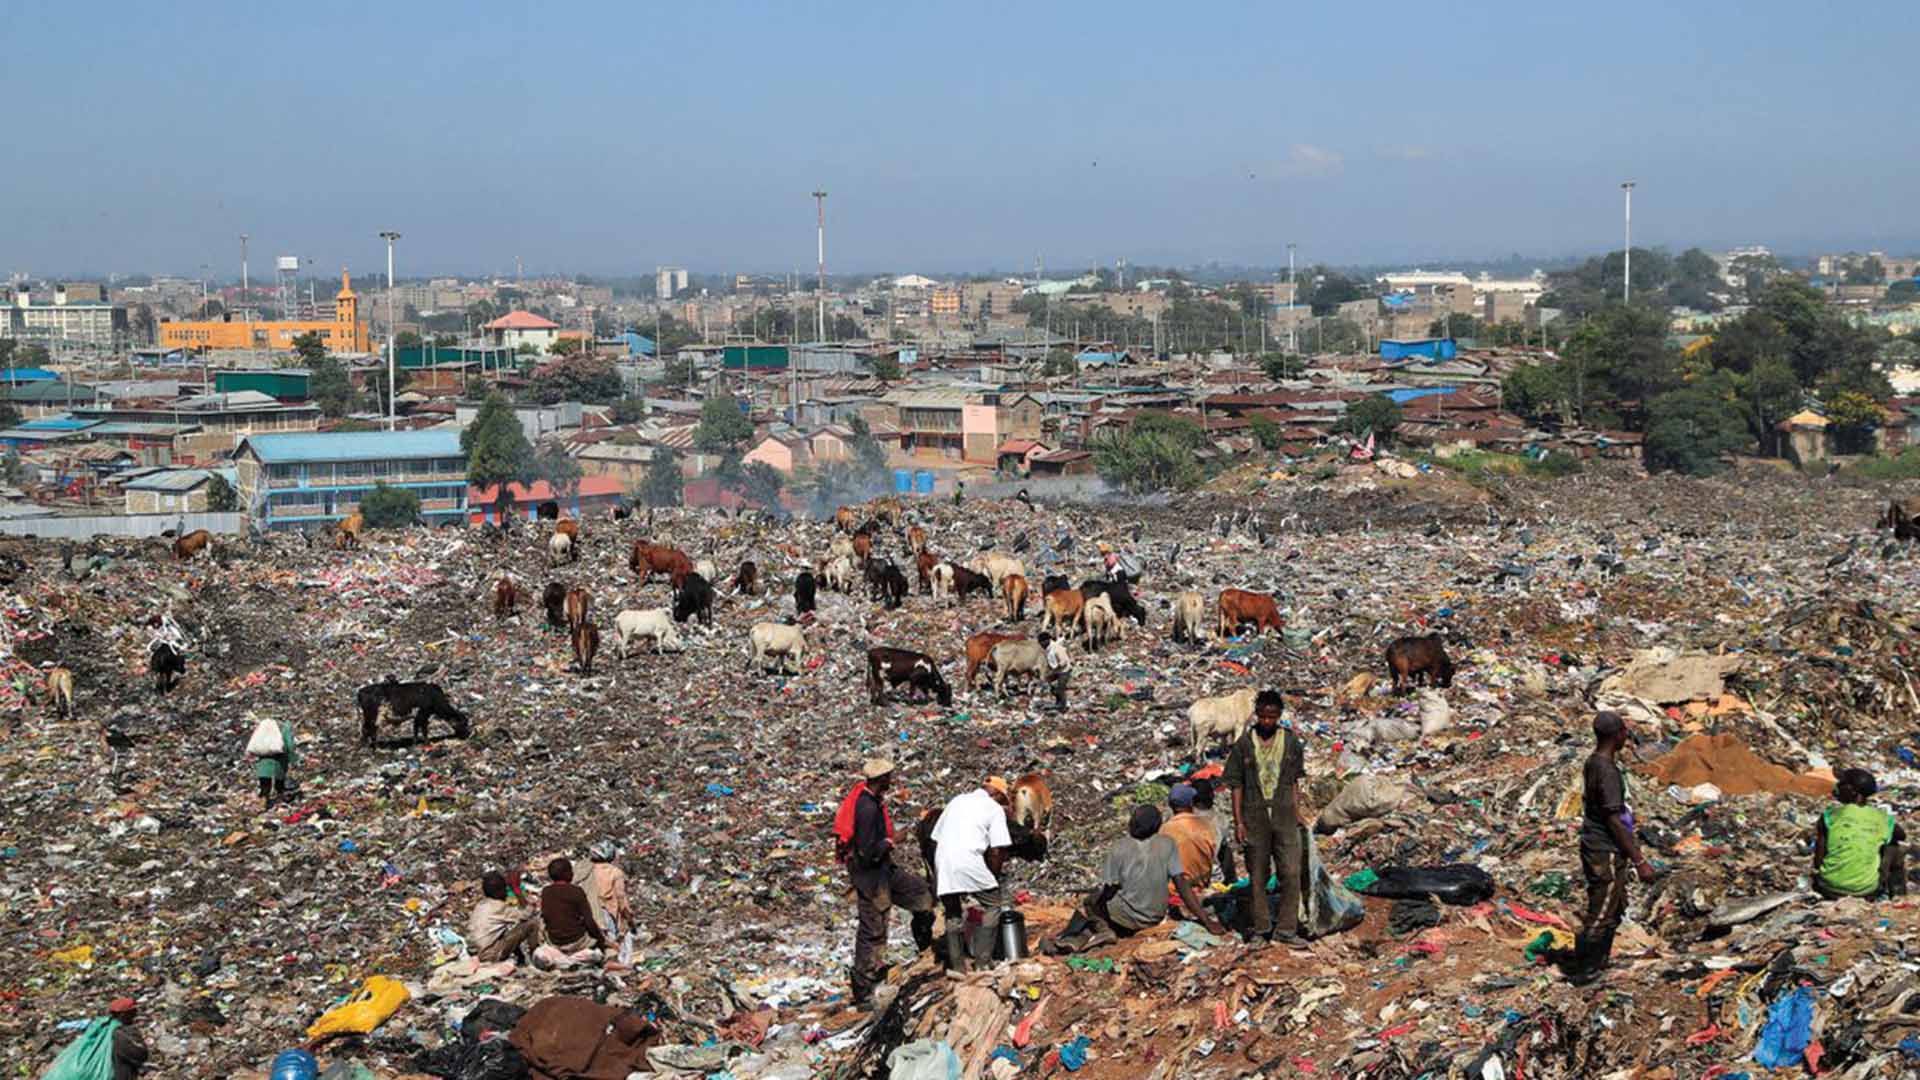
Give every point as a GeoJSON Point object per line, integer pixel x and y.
{"type": "Point", "coordinates": [63, 319]}
{"type": "Point", "coordinates": [166, 491]}
{"type": "Point", "coordinates": [594, 497]}
{"type": "Point", "coordinates": [345, 332]}
{"type": "Point", "coordinates": [669, 282]}
{"type": "Point", "coordinates": [308, 481]}
{"type": "Point", "coordinates": [517, 328]}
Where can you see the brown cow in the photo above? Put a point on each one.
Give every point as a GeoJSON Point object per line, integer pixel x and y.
{"type": "Point", "coordinates": [980, 646]}
{"type": "Point", "coordinates": [506, 597]}
{"type": "Point", "coordinates": [191, 544]}
{"type": "Point", "coordinates": [568, 526]}
{"type": "Point", "coordinates": [1063, 610]}
{"type": "Point", "coordinates": [924, 563]}
{"type": "Point", "coordinates": [1414, 660]}
{"type": "Point", "coordinates": [1031, 803]}
{"type": "Point", "coordinates": [346, 534]}
{"type": "Point", "coordinates": [586, 643]}
{"type": "Point", "coordinates": [916, 539]}
{"type": "Point", "coordinates": [60, 690]}
{"type": "Point", "coordinates": [862, 547]}
{"type": "Point", "coordinates": [648, 559]}
{"type": "Point", "coordinates": [1239, 607]}
{"type": "Point", "coordinates": [554, 599]}
{"type": "Point", "coordinates": [846, 519]}
{"type": "Point", "coordinates": [1903, 517]}
{"type": "Point", "coordinates": [886, 508]}
{"type": "Point", "coordinates": [1016, 588]}
{"type": "Point", "coordinates": [578, 603]}
{"type": "Point", "coordinates": [746, 582]}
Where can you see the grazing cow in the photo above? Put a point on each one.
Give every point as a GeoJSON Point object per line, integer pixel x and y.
{"type": "Point", "coordinates": [554, 599]}
{"type": "Point", "coordinates": [846, 519]}
{"type": "Point", "coordinates": [916, 539]}
{"type": "Point", "coordinates": [967, 581]}
{"type": "Point", "coordinates": [60, 690]}
{"type": "Point", "coordinates": [1239, 607]}
{"type": "Point", "coordinates": [1903, 517]}
{"type": "Point", "coordinates": [586, 645]}
{"type": "Point", "coordinates": [1225, 714]}
{"type": "Point", "coordinates": [1054, 583]}
{"type": "Point", "coordinates": [192, 544]}
{"type": "Point", "coordinates": [506, 597]}
{"type": "Point", "coordinates": [1063, 610]}
{"type": "Point", "coordinates": [548, 511]}
{"type": "Point", "coordinates": [942, 575]}
{"type": "Point", "coordinates": [746, 581]}
{"type": "Point", "coordinates": [648, 559]}
{"type": "Point", "coordinates": [838, 575]}
{"type": "Point", "coordinates": [695, 597]}
{"type": "Point", "coordinates": [1097, 618]}
{"type": "Point", "coordinates": [889, 667]}
{"type": "Point", "coordinates": [420, 701]}
{"type": "Point", "coordinates": [706, 569]}
{"type": "Point", "coordinates": [655, 624]}
{"type": "Point", "coordinates": [841, 548]}
{"type": "Point", "coordinates": [780, 641]}
{"type": "Point", "coordinates": [167, 665]}
{"type": "Point", "coordinates": [568, 527]}
{"type": "Point", "coordinates": [1189, 611]}
{"type": "Point", "coordinates": [997, 567]}
{"type": "Point", "coordinates": [1039, 658]}
{"type": "Point", "coordinates": [1016, 588]}
{"type": "Point", "coordinates": [803, 590]}
{"type": "Point", "coordinates": [1031, 804]}
{"type": "Point", "coordinates": [1120, 593]}
{"type": "Point", "coordinates": [578, 604]}
{"type": "Point", "coordinates": [886, 508]}
{"type": "Point", "coordinates": [923, 563]}
{"type": "Point", "coordinates": [1419, 661]}
{"type": "Point", "coordinates": [559, 547]}
{"type": "Point", "coordinates": [346, 534]}
{"type": "Point", "coordinates": [980, 649]}
{"type": "Point", "coordinates": [891, 585]}
{"type": "Point", "coordinates": [862, 547]}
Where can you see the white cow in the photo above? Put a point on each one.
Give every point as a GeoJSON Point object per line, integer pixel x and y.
{"type": "Point", "coordinates": [778, 640]}
{"type": "Point", "coordinates": [1189, 617]}
{"type": "Point", "coordinates": [559, 547]}
{"type": "Point", "coordinates": [706, 569]}
{"type": "Point", "coordinates": [1225, 714]}
{"type": "Point", "coordinates": [656, 623]}
{"type": "Point", "coordinates": [839, 574]}
{"type": "Point", "coordinates": [997, 567]}
{"type": "Point", "coordinates": [1101, 623]}
{"type": "Point", "coordinates": [1026, 658]}
{"type": "Point", "coordinates": [942, 581]}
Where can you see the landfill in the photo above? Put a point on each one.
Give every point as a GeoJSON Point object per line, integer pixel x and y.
{"type": "Point", "coordinates": [1756, 628]}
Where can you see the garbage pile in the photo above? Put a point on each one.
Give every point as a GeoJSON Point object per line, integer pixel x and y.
{"type": "Point", "coordinates": [1754, 628]}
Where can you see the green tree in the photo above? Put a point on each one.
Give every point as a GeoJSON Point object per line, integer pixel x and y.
{"type": "Point", "coordinates": [566, 346]}
{"type": "Point", "coordinates": [1696, 280]}
{"type": "Point", "coordinates": [1380, 415]}
{"type": "Point", "coordinates": [663, 484]}
{"type": "Point", "coordinates": [1459, 326]}
{"type": "Point", "coordinates": [759, 483]}
{"type": "Point", "coordinates": [1059, 363]}
{"type": "Point", "coordinates": [1537, 393]}
{"type": "Point", "coordinates": [869, 457]}
{"type": "Point", "coordinates": [1904, 291]}
{"type": "Point", "coordinates": [7, 346]}
{"type": "Point", "coordinates": [32, 356]}
{"type": "Point", "coordinates": [497, 449]}
{"type": "Point", "coordinates": [1867, 271]}
{"type": "Point", "coordinates": [1771, 394]}
{"type": "Point", "coordinates": [1621, 353]}
{"type": "Point", "coordinates": [330, 388]}
{"type": "Point", "coordinates": [1854, 417]}
{"type": "Point", "coordinates": [559, 469]}
{"type": "Point", "coordinates": [526, 348]}
{"type": "Point", "coordinates": [309, 348]}
{"type": "Point", "coordinates": [12, 468]}
{"type": "Point", "coordinates": [1143, 462]}
{"type": "Point", "coordinates": [10, 415]}
{"type": "Point", "coordinates": [587, 379]}
{"type": "Point", "coordinates": [377, 386]}
{"type": "Point", "coordinates": [886, 366]}
{"type": "Point", "coordinates": [723, 426]}
{"type": "Point", "coordinates": [221, 497]}
{"type": "Point", "coordinates": [1183, 430]}
{"type": "Point", "coordinates": [1691, 430]}
{"type": "Point", "coordinates": [407, 339]}
{"type": "Point", "coordinates": [389, 507]}
{"type": "Point", "coordinates": [678, 371]}
{"type": "Point", "coordinates": [1265, 431]}
{"type": "Point", "coordinates": [1281, 366]}
{"type": "Point", "coordinates": [629, 410]}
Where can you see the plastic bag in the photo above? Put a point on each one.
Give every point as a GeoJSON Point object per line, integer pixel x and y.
{"type": "Point", "coordinates": [924, 1059]}
{"type": "Point", "coordinates": [1331, 908]}
{"type": "Point", "coordinates": [1783, 1042]}
{"type": "Point", "coordinates": [378, 998]}
{"type": "Point", "coordinates": [1457, 884]}
{"type": "Point", "coordinates": [495, 1059]}
{"type": "Point", "coordinates": [491, 1014]}
{"type": "Point", "coordinates": [266, 740]}
{"type": "Point", "coordinates": [89, 1057]}
{"type": "Point", "coordinates": [1436, 715]}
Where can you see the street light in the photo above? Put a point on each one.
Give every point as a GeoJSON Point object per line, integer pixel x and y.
{"type": "Point", "coordinates": [1626, 264]}
{"type": "Point", "coordinates": [1292, 345]}
{"type": "Point", "coordinates": [393, 379]}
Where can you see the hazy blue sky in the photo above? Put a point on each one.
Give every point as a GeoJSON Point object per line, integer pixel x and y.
{"type": "Point", "coordinates": [610, 137]}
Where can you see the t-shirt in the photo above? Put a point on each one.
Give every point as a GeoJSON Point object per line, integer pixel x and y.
{"type": "Point", "coordinates": [970, 824]}
{"type": "Point", "coordinates": [1603, 797]}
{"type": "Point", "coordinates": [1194, 837]}
{"type": "Point", "coordinates": [1855, 835]}
{"type": "Point", "coordinates": [1142, 869]}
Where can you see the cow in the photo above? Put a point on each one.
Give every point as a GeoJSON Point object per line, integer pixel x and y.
{"type": "Point", "coordinates": [885, 508]}
{"type": "Point", "coordinates": [694, 597]}
{"type": "Point", "coordinates": [997, 567]}
{"type": "Point", "coordinates": [60, 690]}
{"type": "Point", "coordinates": [1189, 611]}
{"type": "Point", "coordinates": [548, 511]}
{"type": "Point", "coordinates": [1016, 589]}
{"type": "Point", "coordinates": [923, 563]}
{"type": "Point", "coordinates": [778, 640]}
{"type": "Point", "coordinates": [506, 597]}
{"type": "Point", "coordinates": [586, 645]}
{"type": "Point", "coordinates": [891, 585]}
{"type": "Point", "coordinates": [346, 534]}
{"type": "Point", "coordinates": [838, 575]}
{"type": "Point", "coordinates": [1224, 714]}
{"type": "Point", "coordinates": [167, 664]}
{"type": "Point", "coordinates": [648, 559]}
{"type": "Point", "coordinates": [578, 605]}
{"type": "Point", "coordinates": [841, 548]}
{"type": "Point", "coordinates": [560, 547]}
{"type": "Point", "coordinates": [1062, 610]}
{"type": "Point", "coordinates": [1054, 583]}
{"type": "Point", "coordinates": [655, 623]}
{"type": "Point", "coordinates": [846, 519]}
{"type": "Point", "coordinates": [916, 540]}
{"type": "Point", "coordinates": [942, 575]}
{"type": "Point", "coordinates": [803, 590]}
{"type": "Point", "coordinates": [192, 544]}
{"type": "Point", "coordinates": [746, 580]}
{"type": "Point", "coordinates": [1903, 517]}
{"type": "Point", "coordinates": [1419, 660]}
{"type": "Point", "coordinates": [1239, 607]}
{"type": "Point", "coordinates": [1030, 805]}
{"type": "Point", "coordinates": [1039, 658]}
{"type": "Point", "coordinates": [862, 547]}
{"type": "Point", "coordinates": [567, 527]}
{"type": "Point", "coordinates": [889, 667]}
{"type": "Point", "coordinates": [1035, 804]}
{"type": "Point", "coordinates": [980, 649]}
{"type": "Point", "coordinates": [1118, 591]}
{"type": "Point", "coordinates": [967, 581]}
{"type": "Point", "coordinates": [1098, 620]}
{"type": "Point", "coordinates": [554, 599]}
{"type": "Point", "coordinates": [706, 569]}
{"type": "Point", "coordinates": [419, 701]}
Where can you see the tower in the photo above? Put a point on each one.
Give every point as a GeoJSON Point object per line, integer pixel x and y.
{"type": "Point", "coordinates": [346, 313]}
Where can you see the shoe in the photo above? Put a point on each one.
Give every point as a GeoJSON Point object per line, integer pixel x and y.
{"type": "Point", "coordinates": [1100, 938]}
{"type": "Point", "coordinates": [1290, 939]}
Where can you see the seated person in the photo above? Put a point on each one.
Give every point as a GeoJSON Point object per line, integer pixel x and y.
{"type": "Point", "coordinates": [1196, 838]}
{"type": "Point", "coordinates": [1858, 850]}
{"type": "Point", "coordinates": [498, 927]}
{"type": "Point", "coordinates": [1133, 889]}
{"type": "Point", "coordinates": [566, 914]}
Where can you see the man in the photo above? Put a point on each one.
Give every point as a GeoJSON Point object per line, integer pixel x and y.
{"type": "Point", "coordinates": [1607, 849]}
{"type": "Point", "coordinates": [566, 915]}
{"type": "Point", "coordinates": [1194, 838]}
{"type": "Point", "coordinates": [970, 849]}
{"type": "Point", "coordinates": [1858, 850]}
{"type": "Point", "coordinates": [1263, 772]}
{"type": "Point", "coordinates": [606, 889]}
{"type": "Point", "coordinates": [498, 928]}
{"type": "Point", "coordinates": [863, 830]}
{"type": "Point", "coordinates": [129, 1049]}
{"type": "Point", "coordinates": [1203, 794]}
{"type": "Point", "coordinates": [1133, 888]}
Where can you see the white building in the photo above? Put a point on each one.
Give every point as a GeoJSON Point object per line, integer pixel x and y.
{"type": "Point", "coordinates": [93, 323]}
{"type": "Point", "coordinates": [517, 328]}
{"type": "Point", "coordinates": [669, 281]}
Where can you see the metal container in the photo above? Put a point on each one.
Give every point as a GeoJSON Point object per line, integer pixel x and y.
{"type": "Point", "coordinates": [1013, 937]}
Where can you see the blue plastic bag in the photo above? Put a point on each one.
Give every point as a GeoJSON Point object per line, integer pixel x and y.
{"type": "Point", "coordinates": [89, 1057]}
{"type": "Point", "coordinates": [1783, 1041]}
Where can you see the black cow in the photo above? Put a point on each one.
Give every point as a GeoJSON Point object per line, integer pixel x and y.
{"type": "Point", "coordinates": [889, 667]}
{"type": "Point", "coordinates": [554, 599]}
{"type": "Point", "coordinates": [549, 511]}
{"type": "Point", "coordinates": [422, 701]}
{"type": "Point", "coordinates": [694, 598]}
{"type": "Point", "coordinates": [1054, 583]}
{"type": "Point", "coordinates": [967, 581]}
{"type": "Point", "coordinates": [167, 665]}
{"type": "Point", "coordinates": [1124, 604]}
{"type": "Point", "coordinates": [803, 590]}
{"type": "Point", "coordinates": [891, 586]}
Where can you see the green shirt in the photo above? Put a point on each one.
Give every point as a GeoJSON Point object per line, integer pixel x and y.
{"type": "Point", "coordinates": [1268, 756]}
{"type": "Point", "coordinates": [1855, 835]}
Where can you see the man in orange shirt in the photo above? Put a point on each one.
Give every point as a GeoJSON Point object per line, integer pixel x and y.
{"type": "Point", "coordinates": [1194, 837]}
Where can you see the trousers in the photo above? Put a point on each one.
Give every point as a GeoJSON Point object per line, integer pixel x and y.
{"type": "Point", "coordinates": [876, 893]}
{"type": "Point", "coordinates": [1274, 848]}
{"type": "Point", "coordinates": [1606, 874]}
{"type": "Point", "coordinates": [527, 933]}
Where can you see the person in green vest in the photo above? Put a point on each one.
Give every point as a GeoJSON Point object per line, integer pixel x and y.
{"type": "Point", "coordinates": [1858, 850]}
{"type": "Point", "coordinates": [272, 771]}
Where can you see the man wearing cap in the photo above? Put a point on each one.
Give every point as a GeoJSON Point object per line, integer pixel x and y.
{"type": "Point", "coordinates": [1193, 836]}
{"type": "Point", "coordinates": [864, 831]}
{"type": "Point", "coordinates": [1858, 850]}
{"type": "Point", "coordinates": [1263, 772]}
{"type": "Point", "coordinates": [1608, 849]}
{"type": "Point", "coordinates": [606, 887]}
{"type": "Point", "coordinates": [129, 1049]}
{"type": "Point", "coordinates": [1133, 888]}
{"type": "Point", "coordinates": [970, 843]}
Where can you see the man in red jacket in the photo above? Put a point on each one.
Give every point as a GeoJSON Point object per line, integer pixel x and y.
{"type": "Point", "coordinates": [864, 831]}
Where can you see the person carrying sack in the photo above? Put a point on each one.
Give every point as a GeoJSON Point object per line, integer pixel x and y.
{"type": "Point", "coordinates": [272, 749]}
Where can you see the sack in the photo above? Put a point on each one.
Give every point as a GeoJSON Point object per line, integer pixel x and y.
{"type": "Point", "coordinates": [267, 739]}
{"type": "Point", "coordinates": [495, 1059]}
{"type": "Point", "coordinates": [1436, 715]}
{"type": "Point", "coordinates": [89, 1057]}
{"type": "Point", "coordinates": [1364, 797]}
{"type": "Point", "coordinates": [1331, 908]}
{"type": "Point", "coordinates": [378, 998]}
{"type": "Point", "coordinates": [1457, 884]}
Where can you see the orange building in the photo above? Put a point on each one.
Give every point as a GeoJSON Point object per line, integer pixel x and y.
{"type": "Point", "coordinates": [345, 333]}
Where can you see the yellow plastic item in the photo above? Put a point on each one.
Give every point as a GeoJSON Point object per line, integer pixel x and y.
{"type": "Point", "coordinates": [79, 956]}
{"type": "Point", "coordinates": [378, 998]}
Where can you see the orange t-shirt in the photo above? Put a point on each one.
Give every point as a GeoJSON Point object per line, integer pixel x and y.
{"type": "Point", "coordinates": [1194, 838]}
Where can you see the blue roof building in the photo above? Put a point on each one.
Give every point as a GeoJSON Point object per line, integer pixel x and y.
{"type": "Point", "coordinates": [1432, 349]}
{"type": "Point", "coordinates": [309, 479]}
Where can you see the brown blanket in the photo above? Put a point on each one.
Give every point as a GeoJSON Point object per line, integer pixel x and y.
{"type": "Point", "coordinates": [572, 1038]}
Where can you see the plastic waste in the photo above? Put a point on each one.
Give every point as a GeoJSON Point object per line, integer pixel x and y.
{"type": "Point", "coordinates": [378, 998]}
{"type": "Point", "coordinates": [294, 1065]}
{"type": "Point", "coordinates": [924, 1059]}
{"type": "Point", "coordinates": [1783, 1041]}
{"type": "Point", "coordinates": [1456, 884]}
{"type": "Point", "coordinates": [89, 1057]}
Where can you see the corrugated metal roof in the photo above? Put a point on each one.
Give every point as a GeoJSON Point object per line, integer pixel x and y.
{"type": "Point", "coordinates": [354, 445]}
{"type": "Point", "coordinates": [175, 480]}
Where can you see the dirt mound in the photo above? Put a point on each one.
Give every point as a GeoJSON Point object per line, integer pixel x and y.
{"type": "Point", "coordinates": [1732, 766]}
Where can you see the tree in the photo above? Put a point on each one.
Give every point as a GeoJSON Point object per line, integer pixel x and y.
{"type": "Point", "coordinates": [377, 386]}
{"type": "Point", "coordinates": [1146, 461]}
{"type": "Point", "coordinates": [759, 483]}
{"type": "Point", "coordinates": [1265, 431]}
{"type": "Point", "coordinates": [407, 339]}
{"type": "Point", "coordinates": [221, 498]}
{"type": "Point", "coordinates": [886, 367]}
{"type": "Point", "coordinates": [1185, 431]}
{"type": "Point", "coordinates": [587, 379]}
{"type": "Point", "coordinates": [1458, 326]}
{"type": "Point", "coordinates": [1692, 429]}
{"type": "Point", "coordinates": [330, 388]}
{"type": "Point", "coordinates": [12, 468]}
{"type": "Point", "coordinates": [497, 449]}
{"type": "Point", "coordinates": [1280, 366]}
{"type": "Point", "coordinates": [723, 426]}
{"type": "Point", "coordinates": [629, 410]}
{"type": "Point", "coordinates": [566, 346]}
{"type": "Point", "coordinates": [389, 507]}
{"type": "Point", "coordinates": [1059, 363]}
{"type": "Point", "coordinates": [1853, 417]}
{"type": "Point", "coordinates": [1380, 415]}
{"type": "Point", "coordinates": [1904, 291]}
{"type": "Point", "coordinates": [561, 472]}
{"type": "Point", "coordinates": [32, 356]}
{"type": "Point", "coordinates": [10, 415]}
{"type": "Point", "coordinates": [526, 348]}
{"type": "Point", "coordinates": [1771, 394]}
{"type": "Point", "coordinates": [1536, 392]}
{"type": "Point", "coordinates": [1620, 352]}
{"type": "Point", "coordinates": [1867, 271]}
{"type": "Point", "coordinates": [309, 348]}
{"type": "Point", "coordinates": [869, 457]}
{"type": "Point", "coordinates": [663, 485]}
{"type": "Point", "coordinates": [678, 371]}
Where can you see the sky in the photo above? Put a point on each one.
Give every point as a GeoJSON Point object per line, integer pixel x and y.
{"type": "Point", "coordinates": [610, 138]}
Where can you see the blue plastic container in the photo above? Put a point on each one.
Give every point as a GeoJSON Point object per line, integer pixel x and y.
{"type": "Point", "coordinates": [923, 482]}
{"type": "Point", "coordinates": [295, 1065]}
{"type": "Point", "coordinates": [902, 482]}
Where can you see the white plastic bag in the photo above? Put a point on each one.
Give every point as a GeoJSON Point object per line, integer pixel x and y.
{"type": "Point", "coordinates": [266, 740]}
{"type": "Point", "coordinates": [1436, 715]}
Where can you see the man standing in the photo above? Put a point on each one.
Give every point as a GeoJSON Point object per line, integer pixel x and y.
{"type": "Point", "coordinates": [1134, 883]}
{"type": "Point", "coordinates": [606, 889]}
{"type": "Point", "coordinates": [565, 913]}
{"type": "Point", "coordinates": [1607, 849]}
{"type": "Point", "coordinates": [498, 928]}
{"type": "Point", "coordinates": [272, 769]}
{"type": "Point", "coordinates": [863, 831]}
{"type": "Point", "coordinates": [970, 849]}
{"type": "Point", "coordinates": [1858, 849]}
{"type": "Point", "coordinates": [129, 1049]}
{"type": "Point", "coordinates": [1263, 772]}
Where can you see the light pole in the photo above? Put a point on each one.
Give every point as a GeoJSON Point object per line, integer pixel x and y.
{"type": "Point", "coordinates": [1292, 345]}
{"type": "Point", "coordinates": [243, 267]}
{"type": "Point", "coordinates": [393, 355]}
{"type": "Point", "coordinates": [1626, 263]}
{"type": "Point", "coordinates": [820, 294]}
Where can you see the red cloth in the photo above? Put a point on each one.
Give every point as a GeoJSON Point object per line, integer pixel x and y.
{"type": "Point", "coordinates": [843, 818]}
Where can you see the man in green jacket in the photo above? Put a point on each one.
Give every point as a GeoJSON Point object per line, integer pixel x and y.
{"type": "Point", "coordinates": [272, 771]}
{"type": "Point", "coordinates": [1858, 850]}
{"type": "Point", "coordinates": [1263, 772]}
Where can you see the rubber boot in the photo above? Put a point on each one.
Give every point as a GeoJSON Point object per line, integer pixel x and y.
{"type": "Point", "coordinates": [955, 944]}
{"type": "Point", "coordinates": [922, 927]}
{"type": "Point", "coordinates": [985, 938]}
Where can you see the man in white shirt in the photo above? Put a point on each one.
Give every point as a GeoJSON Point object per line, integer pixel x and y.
{"type": "Point", "coordinates": [970, 848]}
{"type": "Point", "coordinates": [499, 929]}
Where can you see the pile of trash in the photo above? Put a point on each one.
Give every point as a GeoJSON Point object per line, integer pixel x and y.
{"type": "Point", "coordinates": [1753, 628]}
